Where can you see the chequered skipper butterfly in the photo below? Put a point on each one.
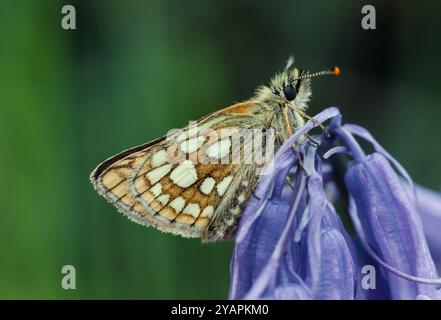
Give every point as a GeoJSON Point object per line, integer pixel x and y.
{"type": "Point", "coordinates": [204, 198]}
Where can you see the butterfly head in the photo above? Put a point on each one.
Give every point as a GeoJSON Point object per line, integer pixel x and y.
{"type": "Point", "coordinates": [292, 86]}
{"type": "Point", "coordinates": [289, 87]}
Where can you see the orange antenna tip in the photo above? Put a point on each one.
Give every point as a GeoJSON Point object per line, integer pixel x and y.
{"type": "Point", "coordinates": [336, 71]}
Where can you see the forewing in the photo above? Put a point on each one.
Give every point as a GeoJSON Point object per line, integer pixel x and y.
{"type": "Point", "coordinates": [165, 184]}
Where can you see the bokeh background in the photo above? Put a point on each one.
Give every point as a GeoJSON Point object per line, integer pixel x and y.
{"type": "Point", "coordinates": [131, 71]}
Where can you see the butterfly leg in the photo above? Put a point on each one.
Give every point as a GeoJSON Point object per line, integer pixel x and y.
{"type": "Point", "coordinates": [299, 157]}
{"type": "Point", "coordinates": [290, 133]}
{"type": "Point", "coordinates": [311, 140]}
{"type": "Point", "coordinates": [317, 123]}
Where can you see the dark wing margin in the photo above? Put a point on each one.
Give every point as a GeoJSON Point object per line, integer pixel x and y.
{"type": "Point", "coordinates": [108, 162]}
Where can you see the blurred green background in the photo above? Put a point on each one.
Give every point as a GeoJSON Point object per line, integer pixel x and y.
{"type": "Point", "coordinates": [131, 71]}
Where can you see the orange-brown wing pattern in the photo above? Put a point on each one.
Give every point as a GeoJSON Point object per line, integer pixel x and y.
{"type": "Point", "coordinates": [184, 197]}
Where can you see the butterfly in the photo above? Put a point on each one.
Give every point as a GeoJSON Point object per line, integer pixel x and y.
{"type": "Point", "coordinates": [186, 183]}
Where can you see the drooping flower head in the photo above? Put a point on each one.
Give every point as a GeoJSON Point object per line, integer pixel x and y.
{"type": "Point", "coordinates": [292, 243]}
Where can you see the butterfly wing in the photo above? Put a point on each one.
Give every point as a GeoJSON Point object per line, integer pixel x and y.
{"type": "Point", "coordinates": [189, 197]}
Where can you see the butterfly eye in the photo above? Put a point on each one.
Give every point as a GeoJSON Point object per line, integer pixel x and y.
{"type": "Point", "coordinates": [289, 92]}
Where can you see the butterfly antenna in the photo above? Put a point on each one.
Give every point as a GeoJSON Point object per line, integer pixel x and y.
{"type": "Point", "coordinates": [335, 71]}
{"type": "Point", "coordinates": [290, 62]}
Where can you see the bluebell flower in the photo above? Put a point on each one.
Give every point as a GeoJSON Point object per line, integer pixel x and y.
{"type": "Point", "coordinates": [429, 208]}
{"type": "Point", "coordinates": [292, 243]}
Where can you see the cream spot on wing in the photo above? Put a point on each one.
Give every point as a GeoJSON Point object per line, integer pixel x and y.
{"type": "Point", "coordinates": [229, 131]}
{"type": "Point", "coordinates": [159, 158]}
{"type": "Point", "coordinates": [190, 146]}
{"type": "Point", "coordinates": [184, 175]}
{"type": "Point", "coordinates": [236, 211]}
{"type": "Point", "coordinates": [207, 185]}
{"type": "Point", "coordinates": [192, 131]}
{"type": "Point", "coordinates": [210, 123]}
{"type": "Point", "coordinates": [178, 204]}
{"type": "Point", "coordinates": [223, 185]}
{"type": "Point", "coordinates": [192, 209]}
{"type": "Point", "coordinates": [219, 149]}
{"type": "Point", "coordinates": [156, 189]}
{"type": "Point", "coordinates": [158, 173]}
{"type": "Point", "coordinates": [163, 199]}
{"type": "Point", "coordinates": [241, 198]}
{"type": "Point", "coordinates": [208, 211]}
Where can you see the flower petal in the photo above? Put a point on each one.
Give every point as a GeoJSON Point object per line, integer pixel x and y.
{"type": "Point", "coordinates": [429, 208]}
{"type": "Point", "coordinates": [269, 263]}
{"type": "Point", "coordinates": [337, 280]}
{"type": "Point", "coordinates": [267, 221]}
{"type": "Point", "coordinates": [252, 252]}
{"type": "Point", "coordinates": [391, 224]}
{"type": "Point", "coordinates": [331, 268]}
